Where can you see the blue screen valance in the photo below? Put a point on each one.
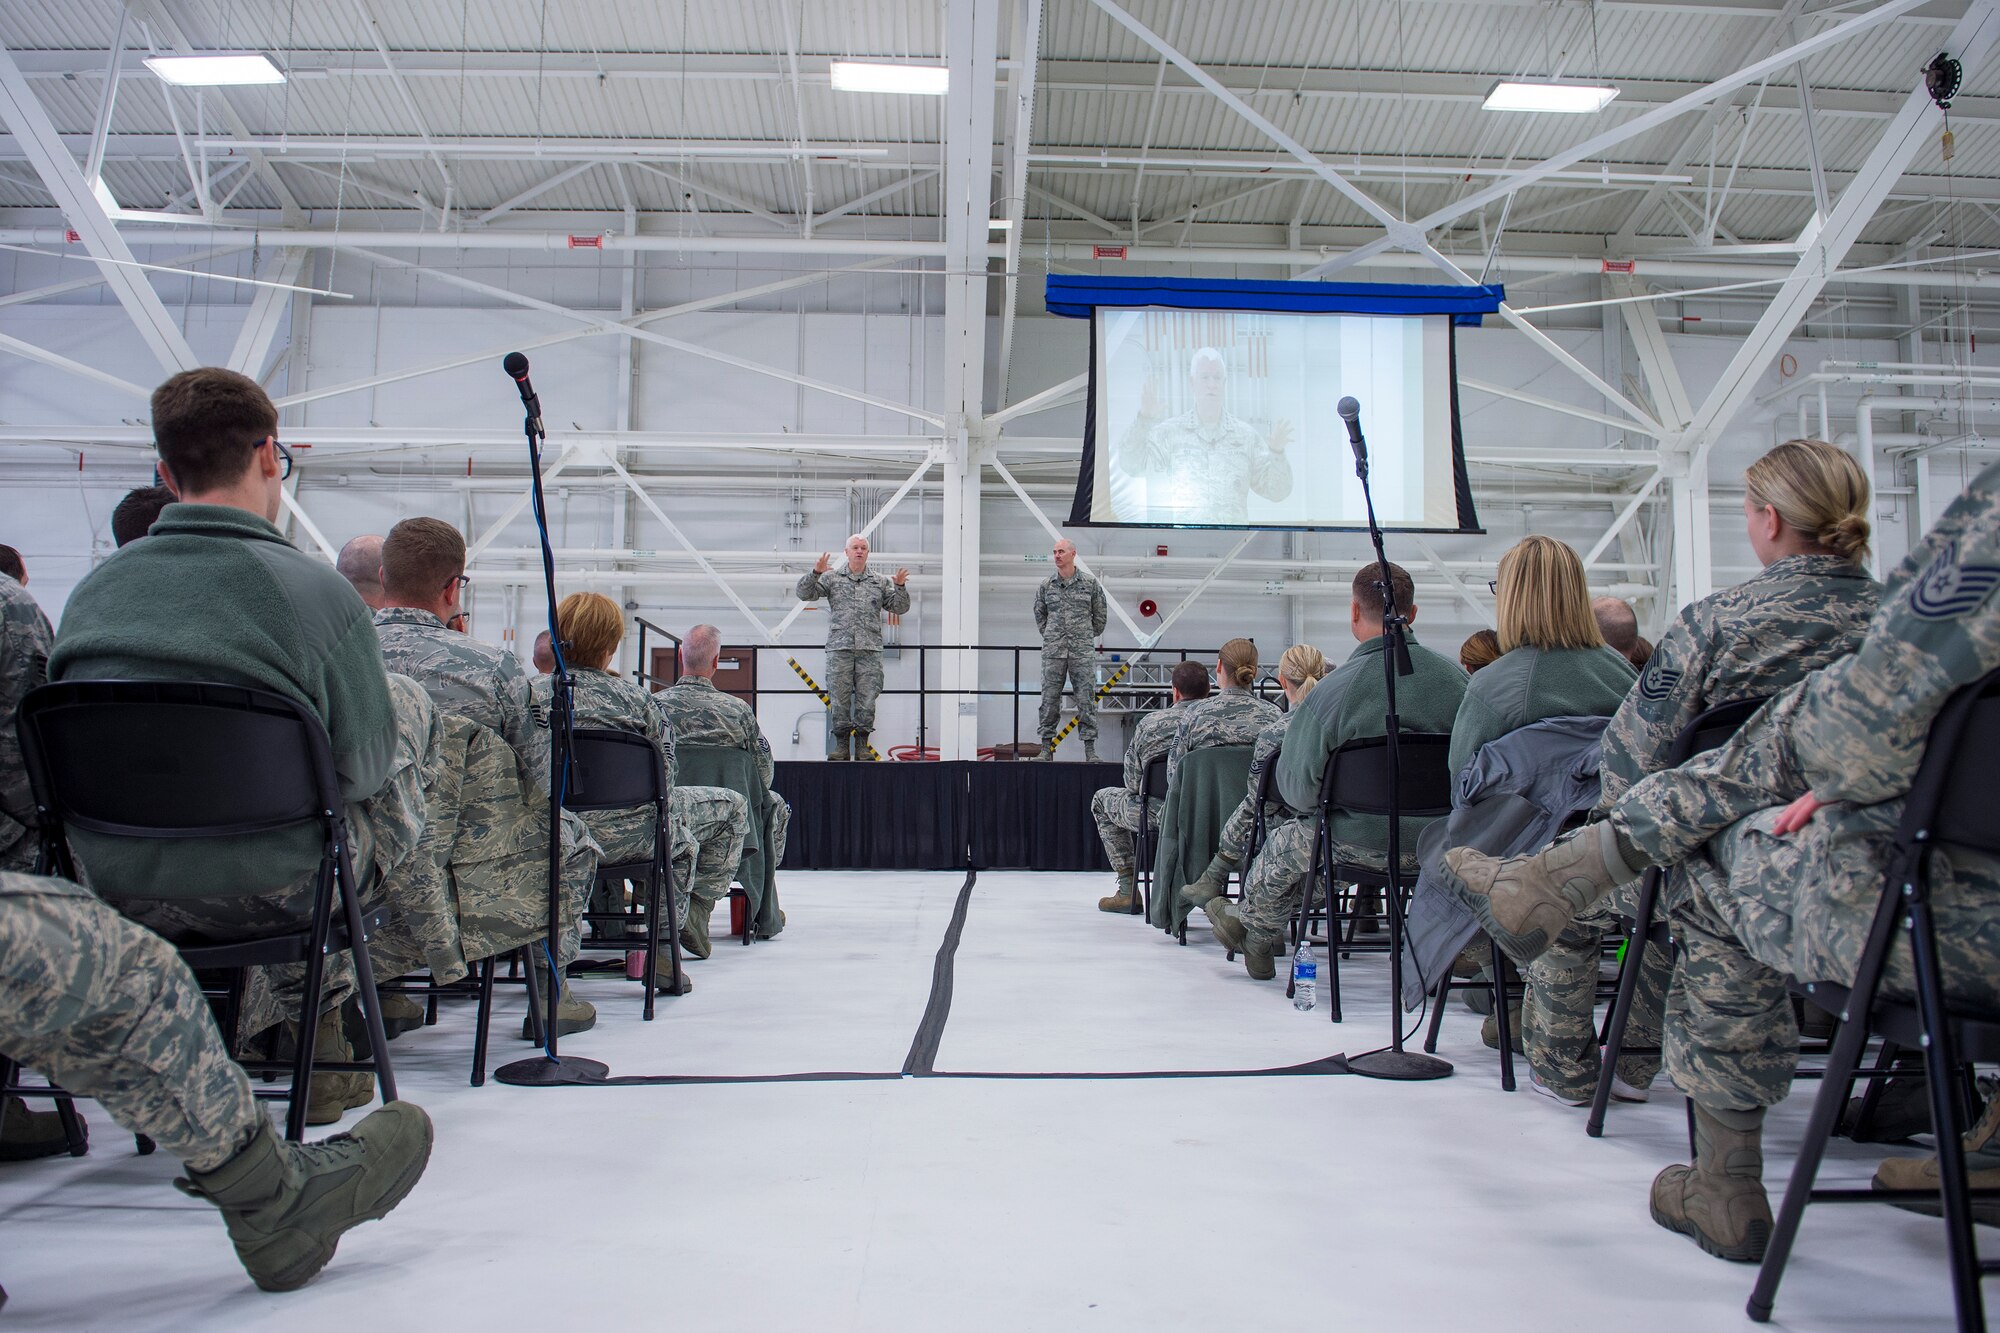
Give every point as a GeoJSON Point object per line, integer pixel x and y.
{"type": "Point", "coordinates": [1076, 295]}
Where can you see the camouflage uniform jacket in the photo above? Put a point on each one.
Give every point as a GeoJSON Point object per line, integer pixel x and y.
{"type": "Point", "coordinates": [704, 715]}
{"type": "Point", "coordinates": [1151, 738]}
{"type": "Point", "coordinates": [1214, 467]}
{"type": "Point", "coordinates": [854, 605]}
{"type": "Point", "coordinates": [1796, 616]}
{"type": "Point", "coordinates": [616, 704]}
{"type": "Point", "coordinates": [1227, 717]}
{"type": "Point", "coordinates": [25, 637]}
{"type": "Point", "coordinates": [467, 678]}
{"type": "Point", "coordinates": [1070, 614]}
{"type": "Point", "coordinates": [1265, 751]}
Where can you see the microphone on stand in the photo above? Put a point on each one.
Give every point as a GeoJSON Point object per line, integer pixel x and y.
{"type": "Point", "coordinates": [1349, 409]}
{"type": "Point", "coordinates": [516, 366]}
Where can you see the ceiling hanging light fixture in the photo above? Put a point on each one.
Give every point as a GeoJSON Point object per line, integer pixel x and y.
{"type": "Point", "coordinates": [1557, 98]}
{"type": "Point", "coordinates": [854, 76]}
{"type": "Point", "coordinates": [216, 69]}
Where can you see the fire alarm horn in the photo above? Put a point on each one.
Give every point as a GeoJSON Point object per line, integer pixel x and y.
{"type": "Point", "coordinates": [1149, 607]}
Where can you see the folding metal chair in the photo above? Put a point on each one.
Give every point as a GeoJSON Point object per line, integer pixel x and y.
{"type": "Point", "coordinates": [172, 760]}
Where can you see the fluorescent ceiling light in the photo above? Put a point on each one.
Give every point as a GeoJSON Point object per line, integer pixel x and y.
{"type": "Point", "coordinates": [855, 77]}
{"type": "Point", "coordinates": [216, 69]}
{"type": "Point", "coordinates": [999, 224]}
{"type": "Point", "coordinates": [1563, 98]}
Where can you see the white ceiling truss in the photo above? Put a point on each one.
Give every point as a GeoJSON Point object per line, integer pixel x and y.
{"type": "Point", "coordinates": [1777, 155]}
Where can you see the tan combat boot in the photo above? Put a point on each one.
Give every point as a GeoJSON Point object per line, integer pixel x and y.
{"type": "Point", "coordinates": [1524, 902]}
{"type": "Point", "coordinates": [287, 1204]}
{"type": "Point", "coordinates": [1208, 886]}
{"type": "Point", "coordinates": [1921, 1173]}
{"type": "Point", "coordinates": [1719, 1202]}
{"type": "Point", "coordinates": [1128, 892]}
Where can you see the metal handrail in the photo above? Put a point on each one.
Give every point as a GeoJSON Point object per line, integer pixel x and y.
{"type": "Point", "coordinates": [1158, 692]}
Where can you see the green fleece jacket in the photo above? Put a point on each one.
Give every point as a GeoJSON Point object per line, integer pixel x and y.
{"type": "Point", "coordinates": [1352, 703]}
{"type": "Point", "coordinates": [1530, 684]}
{"type": "Point", "coordinates": [217, 594]}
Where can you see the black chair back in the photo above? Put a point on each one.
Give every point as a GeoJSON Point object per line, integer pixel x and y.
{"type": "Point", "coordinates": [613, 770]}
{"type": "Point", "coordinates": [1267, 780]}
{"type": "Point", "coordinates": [175, 759]}
{"type": "Point", "coordinates": [1711, 729]}
{"type": "Point", "coordinates": [1153, 778]}
{"type": "Point", "coordinates": [1951, 797]}
{"type": "Point", "coordinates": [1357, 776]}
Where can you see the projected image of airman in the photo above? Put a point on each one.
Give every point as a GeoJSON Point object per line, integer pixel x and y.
{"type": "Point", "coordinates": [1201, 466]}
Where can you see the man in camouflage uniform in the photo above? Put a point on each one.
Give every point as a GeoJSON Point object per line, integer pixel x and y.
{"type": "Point", "coordinates": [855, 603]}
{"type": "Point", "coordinates": [1349, 704]}
{"type": "Point", "coordinates": [703, 715]}
{"type": "Point", "coordinates": [1070, 612]}
{"type": "Point", "coordinates": [25, 637]}
{"type": "Point", "coordinates": [1801, 612]}
{"type": "Point", "coordinates": [1201, 466]}
{"type": "Point", "coordinates": [1116, 809]}
{"type": "Point", "coordinates": [1782, 890]}
{"type": "Point", "coordinates": [497, 851]}
{"type": "Point", "coordinates": [108, 1010]}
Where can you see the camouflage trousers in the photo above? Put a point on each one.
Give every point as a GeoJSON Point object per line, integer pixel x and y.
{"type": "Point", "coordinates": [387, 831]}
{"type": "Point", "coordinates": [779, 830]}
{"type": "Point", "coordinates": [108, 1010]}
{"type": "Point", "coordinates": [1277, 877]}
{"type": "Point", "coordinates": [1558, 1015]}
{"type": "Point", "coordinates": [706, 827]}
{"type": "Point", "coordinates": [853, 682]}
{"type": "Point", "coordinates": [1116, 810]}
{"type": "Point", "coordinates": [1079, 670]}
{"type": "Point", "coordinates": [1800, 907]}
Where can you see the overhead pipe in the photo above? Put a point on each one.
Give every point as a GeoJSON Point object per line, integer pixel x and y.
{"type": "Point", "coordinates": [822, 244]}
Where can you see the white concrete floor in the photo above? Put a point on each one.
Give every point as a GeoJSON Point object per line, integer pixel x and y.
{"type": "Point", "coordinates": [953, 1203]}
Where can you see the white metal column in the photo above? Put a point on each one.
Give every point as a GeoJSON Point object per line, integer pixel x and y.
{"type": "Point", "coordinates": [972, 37]}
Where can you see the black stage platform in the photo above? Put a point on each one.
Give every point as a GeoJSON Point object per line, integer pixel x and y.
{"type": "Point", "coordinates": [989, 815]}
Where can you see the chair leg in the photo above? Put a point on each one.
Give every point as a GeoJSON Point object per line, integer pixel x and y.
{"type": "Point", "coordinates": [1621, 1008]}
{"type": "Point", "coordinates": [72, 1126]}
{"type": "Point", "coordinates": [371, 999]}
{"type": "Point", "coordinates": [663, 889]}
{"type": "Point", "coordinates": [302, 1056]}
{"type": "Point", "coordinates": [1501, 1023]}
{"type": "Point", "coordinates": [484, 1021]}
{"type": "Point", "coordinates": [1871, 1098]}
{"type": "Point", "coordinates": [1332, 957]}
{"type": "Point", "coordinates": [1436, 1025]}
{"type": "Point", "coordinates": [1940, 1066]}
{"type": "Point", "coordinates": [1832, 1099]}
{"type": "Point", "coordinates": [537, 1029]}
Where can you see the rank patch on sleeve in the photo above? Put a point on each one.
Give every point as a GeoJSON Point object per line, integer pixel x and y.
{"type": "Point", "coordinates": [1947, 589]}
{"type": "Point", "coordinates": [1658, 683]}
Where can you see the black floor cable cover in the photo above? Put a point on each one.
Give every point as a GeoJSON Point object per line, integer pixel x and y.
{"type": "Point", "coordinates": [937, 1012]}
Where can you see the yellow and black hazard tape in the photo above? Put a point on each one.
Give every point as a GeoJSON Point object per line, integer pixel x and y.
{"type": "Point", "coordinates": [814, 686]}
{"type": "Point", "coordinates": [1102, 690]}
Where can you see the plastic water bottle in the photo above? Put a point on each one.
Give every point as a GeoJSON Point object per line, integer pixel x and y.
{"type": "Point", "coordinates": [1305, 978]}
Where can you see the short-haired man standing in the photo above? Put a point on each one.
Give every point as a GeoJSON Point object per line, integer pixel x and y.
{"type": "Point", "coordinates": [498, 860]}
{"type": "Point", "coordinates": [1116, 809]}
{"type": "Point", "coordinates": [1350, 704]}
{"type": "Point", "coordinates": [855, 602]}
{"type": "Point", "coordinates": [360, 563]}
{"type": "Point", "coordinates": [1070, 612]}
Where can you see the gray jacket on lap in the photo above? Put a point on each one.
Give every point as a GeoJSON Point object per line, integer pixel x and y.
{"type": "Point", "coordinates": [1512, 798]}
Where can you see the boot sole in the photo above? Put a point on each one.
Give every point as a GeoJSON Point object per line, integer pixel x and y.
{"type": "Point", "coordinates": [1748, 1251]}
{"type": "Point", "coordinates": [319, 1259]}
{"type": "Point", "coordinates": [1523, 949]}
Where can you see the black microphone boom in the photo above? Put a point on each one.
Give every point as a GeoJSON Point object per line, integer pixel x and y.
{"type": "Point", "coordinates": [1350, 412]}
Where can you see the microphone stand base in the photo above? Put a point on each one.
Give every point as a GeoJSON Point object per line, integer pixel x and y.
{"type": "Point", "coordinates": [539, 1071]}
{"type": "Point", "coordinates": [1405, 1065]}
